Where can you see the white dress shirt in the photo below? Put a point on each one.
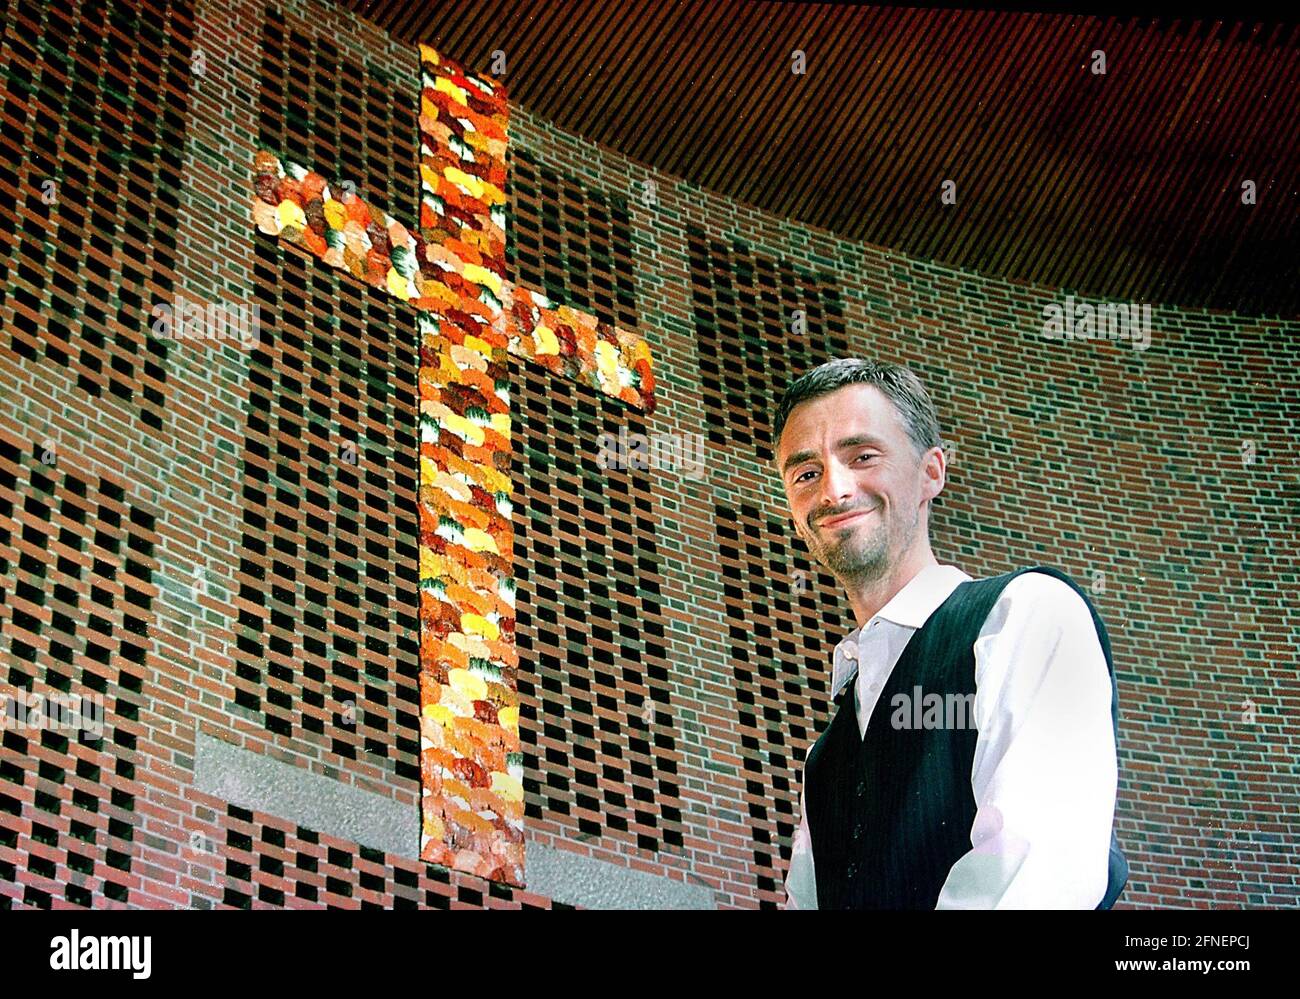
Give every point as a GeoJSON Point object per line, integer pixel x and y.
{"type": "Point", "coordinates": [1045, 771]}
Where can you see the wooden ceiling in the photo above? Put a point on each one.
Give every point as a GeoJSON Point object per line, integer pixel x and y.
{"type": "Point", "coordinates": [1125, 186]}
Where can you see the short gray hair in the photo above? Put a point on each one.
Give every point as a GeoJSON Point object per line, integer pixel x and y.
{"type": "Point", "coordinates": [899, 385]}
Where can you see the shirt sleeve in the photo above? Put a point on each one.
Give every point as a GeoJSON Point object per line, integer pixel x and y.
{"type": "Point", "coordinates": [1045, 771]}
{"type": "Point", "coordinates": [800, 880]}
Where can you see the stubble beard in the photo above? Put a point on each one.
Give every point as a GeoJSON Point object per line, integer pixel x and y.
{"type": "Point", "coordinates": [862, 555]}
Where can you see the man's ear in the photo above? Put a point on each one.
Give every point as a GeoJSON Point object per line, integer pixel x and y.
{"type": "Point", "coordinates": [934, 468]}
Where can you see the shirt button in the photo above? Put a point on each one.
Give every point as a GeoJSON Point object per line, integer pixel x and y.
{"type": "Point", "coordinates": [861, 789]}
{"type": "Point", "coordinates": [858, 830]}
{"type": "Point", "coordinates": [853, 870]}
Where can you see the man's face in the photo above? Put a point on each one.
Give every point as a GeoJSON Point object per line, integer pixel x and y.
{"type": "Point", "coordinates": [854, 481]}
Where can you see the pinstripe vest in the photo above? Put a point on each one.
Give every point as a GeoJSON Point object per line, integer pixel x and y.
{"type": "Point", "coordinates": [890, 813]}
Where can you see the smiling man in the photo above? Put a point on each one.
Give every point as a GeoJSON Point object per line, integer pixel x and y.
{"type": "Point", "coordinates": [907, 803]}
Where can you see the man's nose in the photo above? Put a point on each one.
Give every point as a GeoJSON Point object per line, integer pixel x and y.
{"type": "Point", "coordinates": [838, 484]}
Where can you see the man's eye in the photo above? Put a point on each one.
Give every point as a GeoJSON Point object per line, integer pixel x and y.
{"type": "Point", "coordinates": [801, 476]}
{"type": "Point", "coordinates": [869, 454]}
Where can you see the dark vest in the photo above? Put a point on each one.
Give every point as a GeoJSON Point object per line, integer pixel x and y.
{"type": "Point", "coordinates": [889, 814]}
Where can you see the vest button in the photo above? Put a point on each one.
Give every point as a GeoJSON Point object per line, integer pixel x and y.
{"type": "Point", "coordinates": [853, 870]}
{"type": "Point", "coordinates": [858, 830]}
{"type": "Point", "coordinates": [861, 789]}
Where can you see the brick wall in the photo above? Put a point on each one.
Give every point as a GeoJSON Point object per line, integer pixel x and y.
{"type": "Point", "coordinates": [220, 540]}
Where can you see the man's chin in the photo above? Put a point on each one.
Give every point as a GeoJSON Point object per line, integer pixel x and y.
{"type": "Point", "coordinates": [853, 565]}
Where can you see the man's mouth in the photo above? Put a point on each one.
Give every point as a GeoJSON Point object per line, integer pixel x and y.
{"type": "Point", "coordinates": [845, 519]}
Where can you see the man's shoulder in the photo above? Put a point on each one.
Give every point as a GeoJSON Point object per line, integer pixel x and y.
{"type": "Point", "coordinates": [1041, 622]}
{"type": "Point", "coordinates": [1037, 583]}
{"type": "Point", "coordinates": [1040, 594]}
{"type": "Point", "coordinates": [1045, 583]}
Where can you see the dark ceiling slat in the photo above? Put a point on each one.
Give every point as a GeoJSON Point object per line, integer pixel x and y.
{"type": "Point", "coordinates": [403, 16]}
{"type": "Point", "coordinates": [997, 218]}
{"type": "Point", "coordinates": [897, 33]}
{"type": "Point", "coordinates": [661, 131]}
{"type": "Point", "coordinates": [829, 115]}
{"type": "Point", "coordinates": [1055, 256]}
{"type": "Point", "coordinates": [934, 225]}
{"type": "Point", "coordinates": [596, 49]}
{"type": "Point", "coordinates": [1111, 112]}
{"type": "Point", "coordinates": [513, 24]}
{"type": "Point", "coordinates": [1183, 187]}
{"type": "Point", "coordinates": [530, 62]}
{"type": "Point", "coordinates": [983, 188]}
{"type": "Point", "coordinates": [956, 56]}
{"type": "Point", "coordinates": [669, 120]}
{"type": "Point", "coordinates": [1191, 187]}
{"type": "Point", "coordinates": [1187, 186]}
{"type": "Point", "coordinates": [790, 110]}
{"type": "Point", "coordinates": [1177, 184]}
{"type": "Point", "coordinates": [558, 37]}
{"type": "Point", "coordinates": [1138, 112]}
{"type": "Point", "coordinates": [829, 126]}
{"type": "Point", "coordinates": [614, 104]}
{"type": "Point", "coordinates": [911, 128]}
{"type": "Point", "coordinates": [1027, 113]}
{"type": "Point", "coordinates": [909, 179]}
{"type": "Point", "coordinates": [1278, 219]}
{"type": "Point", "coordinates": [1131, 222]}
{"type": "Point", "coordinates": [1245, 219]}
{"type": "Point", "coordinates": [503, 32]}
{"type": "Point", "coordinates": [870, 198]}
{"type": "Point", "coordinates": [1268, 225]}
{"type": "Point", "coordinates": [699, 91]}
{"type": "Point", "coordinates": [743, 145]}
{"type": "Point", "coordinates": [718, 165]}
{"type": "Point", "coordinates": [1042, 164]}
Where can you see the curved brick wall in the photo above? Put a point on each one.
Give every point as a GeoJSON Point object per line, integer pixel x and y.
{"type": "Point", "coordinates": [179, 534]}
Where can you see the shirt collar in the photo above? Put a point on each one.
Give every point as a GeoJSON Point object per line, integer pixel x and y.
{"type": "Point", "coordinates": [910, 608]}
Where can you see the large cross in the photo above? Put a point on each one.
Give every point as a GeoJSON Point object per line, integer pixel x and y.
{"type": "Point", "coordinates": [453, 270]}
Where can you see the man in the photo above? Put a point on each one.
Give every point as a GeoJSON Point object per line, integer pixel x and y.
{"type": "Point", "coordinates": [908, 801]}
